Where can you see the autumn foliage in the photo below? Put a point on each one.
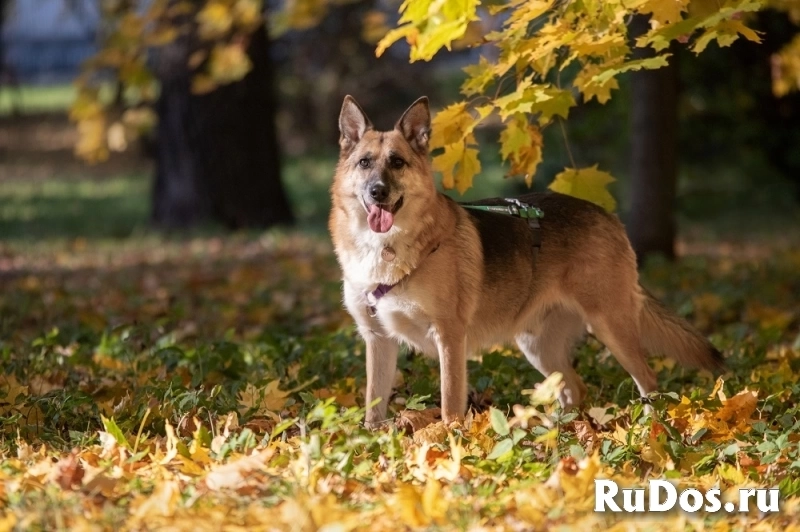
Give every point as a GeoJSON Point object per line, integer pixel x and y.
{"type": "Point", "coordinates": [217, 383]}
{"type": "Point", "coordinates": [546, 55]}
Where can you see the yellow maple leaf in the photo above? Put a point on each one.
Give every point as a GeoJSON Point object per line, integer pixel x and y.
{"type": "Point", "coordinates": [547, 391]}
{"type": "Point", "coordinates": [600, 90]}
{"type": "Point", "coordinates": [576, 480]}
{"type": "Point", "coordinates": [214, 20]}
{"type": "Point", "coordinates": [458, 165]}
{"type": "Point", "coordinates": [266, 401]}
{"type": "Point", "coordinates": [739, 408]}
{"type": "Point", "coordinates": [451, 125]}
{"type": "Point", "coordinates": [663, 11]}
{"type": "Point", "coordinates": [407, 505]}
{"type": "Point", "coordinates": [725, 33]}
{"type": "Point", "coordinates": [587, 183]}
{"type": "Point", "coordinates": [480, 75]}
{"type": "Point", "coordinates": [228, 63]}
{"type": "Point", "coordinates": [447, 161]}
{"type": "Point", "coordinates": [521, 143]}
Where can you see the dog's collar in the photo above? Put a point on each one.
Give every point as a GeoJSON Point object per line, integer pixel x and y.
{"type": "Point", "coordinates": [384, 289]}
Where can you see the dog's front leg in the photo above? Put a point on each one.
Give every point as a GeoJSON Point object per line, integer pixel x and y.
{"type": "Point", "coordinates": [453, 363]}
{"type": "Point", "coordinates": [381, 366]}
{"type": "Point", "coordinates": [381, 354]}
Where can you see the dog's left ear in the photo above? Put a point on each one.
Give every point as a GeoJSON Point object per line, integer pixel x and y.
{"type": "Point", "coordinates": [415, 125]}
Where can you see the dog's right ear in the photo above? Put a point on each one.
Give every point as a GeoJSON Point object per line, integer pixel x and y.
{"type": "Point", "coordinates": [353, 123]}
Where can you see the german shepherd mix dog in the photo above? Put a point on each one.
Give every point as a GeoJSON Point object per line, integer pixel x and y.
{"type": "Point", "coordinates": [422, 270]}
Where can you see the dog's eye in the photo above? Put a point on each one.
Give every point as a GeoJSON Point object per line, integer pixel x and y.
{"type": "Point", "coordinates": [364, 163]}
{"type": "Point", "coordinates": [397, 162]}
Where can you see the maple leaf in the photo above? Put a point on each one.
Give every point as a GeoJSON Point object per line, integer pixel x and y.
{"type": "Point", "coordinates": [458, 165]}
{"type": "Point", "coordinates": [650, 63]}
{"type": "Point", "coordinates": [600, 90]}
{"type": "Point", "coordinates": [726, 32]}
{"type": "Point", "coordinates": [451, 125]}
{"type": "Point", "coordinates": [447, 161]}
{"type": "Point", "coordinates": [663, 12]}
{"type": "Point", "coordinates": [521, 143]}
{"type": "Point", "coordinates": [587, 183]}
{"type": "Point", "coordinates": [480, 76]}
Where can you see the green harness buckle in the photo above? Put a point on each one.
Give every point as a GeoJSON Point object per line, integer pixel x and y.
{"type": "Point", "coordinates": [518, 209]}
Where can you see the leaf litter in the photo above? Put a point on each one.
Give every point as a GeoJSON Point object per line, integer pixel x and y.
{"type": "Point", "coordinates": [218, 385]}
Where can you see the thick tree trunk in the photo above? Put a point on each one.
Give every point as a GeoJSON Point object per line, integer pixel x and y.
{"type": "Point", "coordinates": [654, 124]}
{"type": "Point", "coordinates": [217, 154]}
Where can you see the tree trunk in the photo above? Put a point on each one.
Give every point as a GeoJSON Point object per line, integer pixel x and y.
{"type": "Point", "coordinates": [654, 124]}
{"type": "Point", "coordinates": [217, 154]}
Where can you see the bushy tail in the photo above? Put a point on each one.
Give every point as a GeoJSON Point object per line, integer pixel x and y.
{"type": "Point", "coordinates": [665, 333]}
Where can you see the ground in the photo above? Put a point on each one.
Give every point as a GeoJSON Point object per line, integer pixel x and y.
{"type": "Point", "coordinates": [208, 381]}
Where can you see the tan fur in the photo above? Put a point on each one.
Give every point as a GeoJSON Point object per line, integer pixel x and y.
{"type": "Point", "coordinates": [462, 297]}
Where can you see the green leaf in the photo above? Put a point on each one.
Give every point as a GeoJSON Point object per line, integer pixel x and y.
{"type": "Point", "coordinates": [501, 448]}
{"type": "Point", "coordinates": [110, 426]}
{"type": "Point", "coordinates": [588, 183]}
{"type": "Point", "coordinates": [499, 422]}
{"type": "Point", "coordinates": [417, 402]}
{"type": "Point", "coordinates": [730, 450]}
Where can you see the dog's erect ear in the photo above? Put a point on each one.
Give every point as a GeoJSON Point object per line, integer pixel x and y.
{"type": "Point", "coordinates": [353, 123]}
{"type": "Point", "coordinates": [415, 125]}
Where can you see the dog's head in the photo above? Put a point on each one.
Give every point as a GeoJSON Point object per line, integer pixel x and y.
{"type": "Point", "coordinates": [384, 176]}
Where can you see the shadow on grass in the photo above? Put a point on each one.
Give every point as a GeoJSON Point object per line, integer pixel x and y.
{"type": "Point", "coordinates": [111, 208]}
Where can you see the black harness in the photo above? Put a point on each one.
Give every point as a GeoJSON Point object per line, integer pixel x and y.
{"type": "Point", "coordinates": [516, 208]}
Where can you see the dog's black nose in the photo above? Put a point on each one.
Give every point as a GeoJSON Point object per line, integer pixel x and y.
{"type": "Point", "coordinates": [379, 192]}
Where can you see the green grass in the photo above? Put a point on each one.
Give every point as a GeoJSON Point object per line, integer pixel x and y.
{"type": "Point", "coordinates": [36, 99]}
{"type": "Point", "coordinates": [109, 208]}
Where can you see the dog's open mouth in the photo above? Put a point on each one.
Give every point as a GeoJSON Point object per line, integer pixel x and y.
{"type": "Point", "coordinates": [380, 217]}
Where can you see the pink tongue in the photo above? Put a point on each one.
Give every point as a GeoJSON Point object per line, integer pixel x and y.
{"type": "Point", "coordinates": [380, 220]}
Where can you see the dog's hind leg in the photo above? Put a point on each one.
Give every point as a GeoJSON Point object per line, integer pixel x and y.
{"type": "Point", "coordinates": [548, 346]}
{"type": "Point", "coordinates": [617, 326]}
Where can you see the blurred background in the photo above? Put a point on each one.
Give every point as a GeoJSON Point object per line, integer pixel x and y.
{"type": "Point", "coordinates": [737, 156]}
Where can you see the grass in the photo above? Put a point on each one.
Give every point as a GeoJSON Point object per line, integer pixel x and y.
{"type": "Point", "coordinates": [36, 98]}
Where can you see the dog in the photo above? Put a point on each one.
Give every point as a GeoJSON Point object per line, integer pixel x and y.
{"type": "Point", "coordinates": [420, 269]}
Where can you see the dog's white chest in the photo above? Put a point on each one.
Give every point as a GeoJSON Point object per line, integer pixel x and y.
{"type": "Point", "coordinates": [404, 319]}
{"type": "Point", "coordinates": [374, 260]}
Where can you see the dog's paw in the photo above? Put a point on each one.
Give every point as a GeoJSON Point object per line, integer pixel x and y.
{"type": "Point", "coordinates": [453, 420]}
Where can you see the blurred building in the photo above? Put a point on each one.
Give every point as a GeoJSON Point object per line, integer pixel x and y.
{"type": "Point", "coordinates": [45, 41]}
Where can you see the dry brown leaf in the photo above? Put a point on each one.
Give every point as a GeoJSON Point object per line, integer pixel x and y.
{"type": "Point", "coordinates": [586, 435]}
{"type": "Point", "coordinates": [69, 471]}
{"type": "Point", "coordinates": [434, 433]}
{"type": "Point", "coordinates": [411, 421]}
{"type": "Point", "coordinates": [233, 475]}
